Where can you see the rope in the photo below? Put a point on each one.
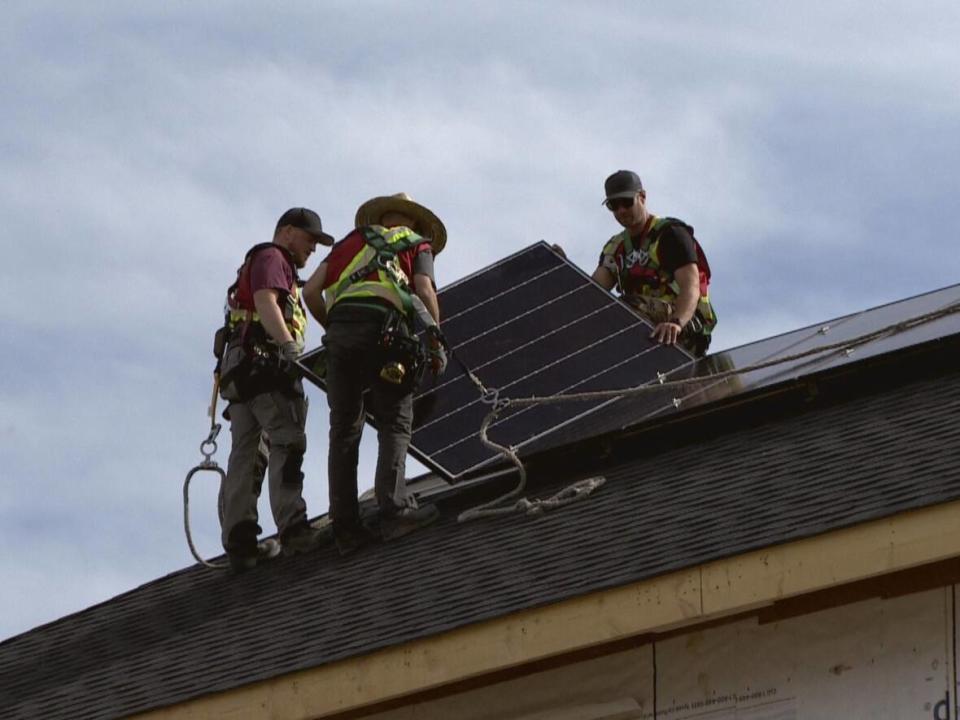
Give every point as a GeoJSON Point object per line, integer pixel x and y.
{"type": "Point", "coordinates": [208, 463]}
{"type": "Point", "coordinates": [186, 521]}
{"type": "Point", "coordinates": [582, 488]}
{"type": "Point", "coordinates": [495, 508]}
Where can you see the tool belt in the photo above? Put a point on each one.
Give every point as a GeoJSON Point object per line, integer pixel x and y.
{"type": "Point", "coordinates": [403, 355]}
{"type": "Point", "coordinates": [249, 365]}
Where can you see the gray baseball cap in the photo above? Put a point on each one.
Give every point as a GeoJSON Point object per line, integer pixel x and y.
{"type": "Point", "coordinates": [622, 184]}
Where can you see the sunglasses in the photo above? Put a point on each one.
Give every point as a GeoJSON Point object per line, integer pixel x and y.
{"type": "Point", "coordinates": [620, 203]}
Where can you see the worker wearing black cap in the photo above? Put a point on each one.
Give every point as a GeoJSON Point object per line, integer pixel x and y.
{"type": "Point", "coordinates": [265, 326]}
{"type": "Point", "coordinates": [657, 266]}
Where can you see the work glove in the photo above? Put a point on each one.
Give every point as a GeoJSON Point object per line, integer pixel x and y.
{"type": "Point", "coordinates": [289, 352]}
{"type": "Point", "coordinates": [438, 360]}
{"type": "Point", "coordinates": [437, 352]}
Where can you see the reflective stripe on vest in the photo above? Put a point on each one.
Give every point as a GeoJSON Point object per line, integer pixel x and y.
{"type": "Point", "coordinates": [294, 316]}
{"type": "Point", "coordinates": [391, 281]}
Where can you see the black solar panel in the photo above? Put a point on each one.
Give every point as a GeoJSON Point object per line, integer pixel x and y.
{"type": "Point", "coordinates": [534, 324]}
{"type": "Point", "coordinates": [531, 324]}
{"type": "Point", "coordinates": [842, 329]}
{"type": "Point", "coordinates": [630, 411]}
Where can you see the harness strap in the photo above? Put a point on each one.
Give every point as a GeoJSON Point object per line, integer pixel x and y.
{"type": "Point", "coordinates": [385, 253]}
{"type": "Point", "coordinates": [239, 320]}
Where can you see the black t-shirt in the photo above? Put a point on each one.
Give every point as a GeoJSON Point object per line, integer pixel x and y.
{"type": "Point", "coordinates": [676, 248]}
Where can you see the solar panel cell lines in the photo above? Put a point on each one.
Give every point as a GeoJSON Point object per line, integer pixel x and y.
{"type": "Point", "coordinates": [532, 324]}
{"type": "Point", "coordinates": [885, 320]}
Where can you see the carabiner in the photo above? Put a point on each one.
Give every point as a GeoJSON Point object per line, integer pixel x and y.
{"type": "Point", "coordinates": [211, 441]}
{"type": "Point", "coordinates": [208, 448]}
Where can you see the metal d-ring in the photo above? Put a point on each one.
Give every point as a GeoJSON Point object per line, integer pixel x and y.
{"type": "Point", "coordinates": [208, 449]}
{"type": "Point", "coordinates": [210, 442]}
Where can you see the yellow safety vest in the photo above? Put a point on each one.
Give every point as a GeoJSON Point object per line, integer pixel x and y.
{"type": "Point", "coordinates": [643, 274]}
{"type": "Point", "coordinates": [391, 284]}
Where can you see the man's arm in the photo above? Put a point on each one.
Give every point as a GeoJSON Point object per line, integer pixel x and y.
{"type": "Point", "coordinates": [688, 278]}
{"type": "Point", "coordinates": [604, 278]}
{"type": "Point", "coordinates": [423, 287]}
{"type": "Point", "coordinates": [313, 294]}
{"type": "Point", "coordinates": [271, 317]}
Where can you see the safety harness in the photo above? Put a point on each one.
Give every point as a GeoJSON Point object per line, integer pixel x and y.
{"type": "Point", "coordinates": [242, 346]}
{"type": "Point", "coordinates": [241, 312]}
{"type": "Point", "coordinates": [642, 273]}
{"type": "Point", "coordinates": [403, 353]}
{"type": "Point", "coordinates": [382, 247]}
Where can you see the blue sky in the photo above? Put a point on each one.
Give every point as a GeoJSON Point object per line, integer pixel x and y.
{"type": "Point", "coordinates": [145, 147]}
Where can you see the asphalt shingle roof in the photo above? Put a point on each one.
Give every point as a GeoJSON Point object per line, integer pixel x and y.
{"type": "Point", "coordinates": [797, 474]}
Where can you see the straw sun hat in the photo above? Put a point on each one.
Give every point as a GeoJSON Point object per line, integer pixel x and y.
{"type": "Point", "coordinates": [428, 224]}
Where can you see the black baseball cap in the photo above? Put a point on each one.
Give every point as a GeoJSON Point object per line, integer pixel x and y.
{"type": "Point", "coordinates": [622, 184]}
{"type": "Point", "coordinates": [307, 220]}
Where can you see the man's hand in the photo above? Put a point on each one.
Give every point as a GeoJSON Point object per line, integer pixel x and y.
{"type": "Point", "coordinates": [290, 351]}
{"type": "Point", "coordinates": [667, 332]}
{"type": "Point", "coordinates": [438, 360]}
{"type": "Point", "coordinates": [437, 345]}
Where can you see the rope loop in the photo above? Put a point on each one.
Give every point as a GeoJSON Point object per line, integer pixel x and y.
{"type": "Point", "coordinates": [208, 449]}
{"type": "Point", "coordinates": [211, 466]}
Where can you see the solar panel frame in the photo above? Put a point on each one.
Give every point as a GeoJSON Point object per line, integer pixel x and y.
{"type": "Point", "coordinates": [598, 343]}
{"type": "Point", "coordinates": [494, 337]}
{"type": "Point", "coordinates": [531, 323]}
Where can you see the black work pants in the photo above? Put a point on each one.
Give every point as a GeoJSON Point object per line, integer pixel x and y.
{"type": "Point", "coordinates": [354, 361]}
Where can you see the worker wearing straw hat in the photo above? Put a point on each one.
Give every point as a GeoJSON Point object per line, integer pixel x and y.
{"type": "Point", "coordinates": [377, 281]}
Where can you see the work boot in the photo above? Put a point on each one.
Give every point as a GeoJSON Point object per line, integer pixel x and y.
{"type": "Point", "coordinates": [301, 539]}
{"type": "Point", "coordinates": [405, 520]}
{"type": "Point", "coordinates": [242, 549]}
{"type": "Point", "coordinates": [350, 539]}
{"type": "Point", "coordinates": [241, 562]}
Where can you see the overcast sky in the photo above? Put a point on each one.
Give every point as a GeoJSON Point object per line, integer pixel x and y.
{"type": "Point", "coordinates": [145, 146]}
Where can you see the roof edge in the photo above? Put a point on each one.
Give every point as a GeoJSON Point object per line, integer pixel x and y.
{"type": "Point", "coordinates": [703, 593]}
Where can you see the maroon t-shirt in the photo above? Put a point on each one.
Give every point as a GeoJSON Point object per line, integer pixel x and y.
{"type": "Point", "coordinates": [270, 269]}
{"type": "Point", "coordinates": [416, 260]}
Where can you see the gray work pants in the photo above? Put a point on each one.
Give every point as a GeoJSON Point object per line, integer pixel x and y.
{"type": "Point", "coordinates": [282, 417]}
{"type": "Point", "coordinates": [354, 361]}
